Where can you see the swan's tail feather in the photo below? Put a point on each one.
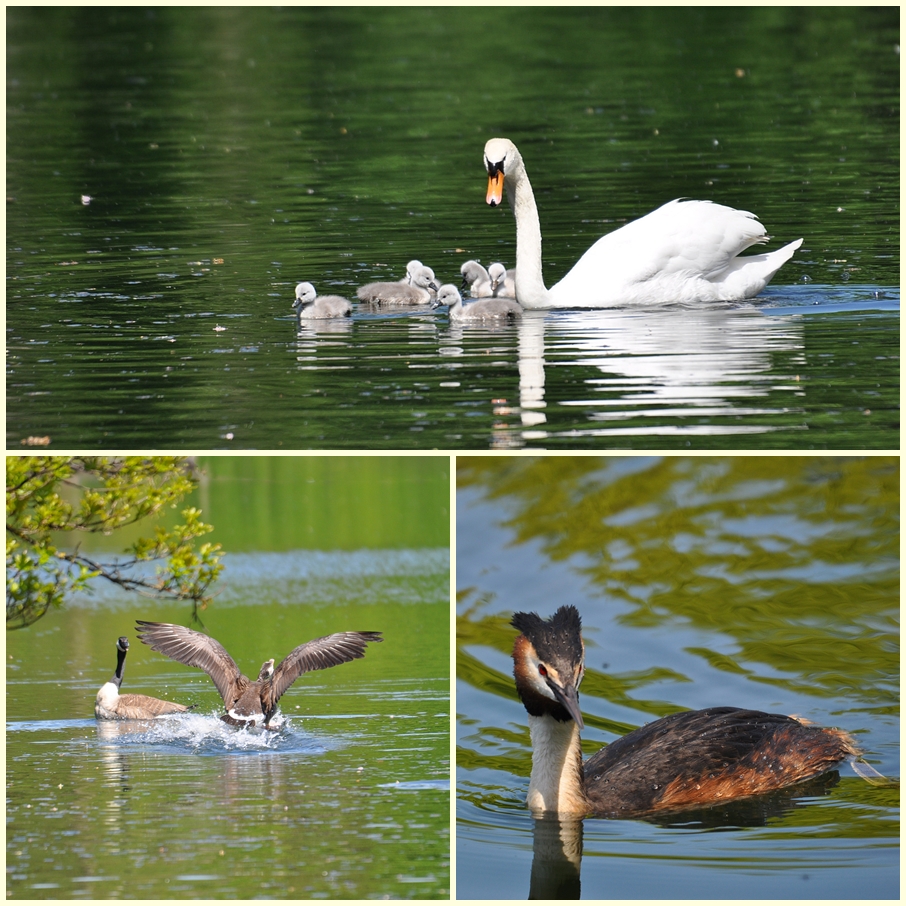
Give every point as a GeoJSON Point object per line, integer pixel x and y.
{"type": "Point", "coordinates": [748, 275]}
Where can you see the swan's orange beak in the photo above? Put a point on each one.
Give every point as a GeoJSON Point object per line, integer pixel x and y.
{"type": "Point", "coordinates": [495, 188]}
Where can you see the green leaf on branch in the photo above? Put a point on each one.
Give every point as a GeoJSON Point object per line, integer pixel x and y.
{"type": "Point", "coordinates": [48, 494]}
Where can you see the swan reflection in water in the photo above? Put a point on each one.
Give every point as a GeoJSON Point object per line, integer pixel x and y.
{"type": "Point", "coordinates": [669, 372]}
{"type": "Point", "coordinates": [665, 365]}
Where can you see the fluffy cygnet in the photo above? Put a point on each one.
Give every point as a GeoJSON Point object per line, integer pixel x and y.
{"type": "Point", "coordinates": [481, 310]}
{"type": "Point", "coordinates": [417, 291]}
{"type": "Point", "coordinates": [503, 282]}
{"type": "Point", "coordinates": [493, 281]}
{"type": "Point", "coordinates": [309, 304]}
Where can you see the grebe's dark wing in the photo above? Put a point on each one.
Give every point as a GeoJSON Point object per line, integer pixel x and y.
{"type": "Point", "coordinates": [681, 739]}
{"type": "Point", "coordinates": [709, 755]}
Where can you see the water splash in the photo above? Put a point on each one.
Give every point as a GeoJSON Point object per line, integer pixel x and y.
{"type": "Point", "coordinates": [207, 734]}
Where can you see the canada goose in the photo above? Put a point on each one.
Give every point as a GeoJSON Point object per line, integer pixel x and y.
{"type": "Point", "coordinates": [486, 309]}
{"type": "Point", "coordinates": [110, 705]}
{"type": "Point", "coordinates": [483, 282]}
{"type": "Point", "coordinates": [684, 251]}
{"type": "Point", "coordinates": [251, 703]}
{"type": "Point", "coordinates": [415, 289]}
{"type": "Point", "coordinates": [309, 304]}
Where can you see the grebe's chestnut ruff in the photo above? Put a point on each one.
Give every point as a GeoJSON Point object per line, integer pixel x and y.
{"type": "Point", "coordinates": [684, 761]}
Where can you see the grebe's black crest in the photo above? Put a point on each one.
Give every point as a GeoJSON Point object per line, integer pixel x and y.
{"type": "Point", "coordinates": [559, 638]}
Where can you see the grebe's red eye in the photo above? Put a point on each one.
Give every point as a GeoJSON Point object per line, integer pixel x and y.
{"type": "Point", "coordinates": [542, 669]}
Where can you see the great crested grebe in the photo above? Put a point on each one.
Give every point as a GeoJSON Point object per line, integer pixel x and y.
{"type": "Point", "coordinates": [685, 761]}
{"type": "Point", "coordinates": [248, 703]}
{"type": "Point", "coordinates": [110, 705]}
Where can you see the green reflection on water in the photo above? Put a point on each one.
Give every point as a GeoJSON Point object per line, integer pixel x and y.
{"type": "Point", "coordinates": [229, 153]}
{"type": "Point", "coordinates": [187, 96]}
{"type": "Point", "coordinates": [797, 559]}
{"type": "Point", "coordinates": [281, 503]}
{"type": "Point", "coordinates": [327, 502]}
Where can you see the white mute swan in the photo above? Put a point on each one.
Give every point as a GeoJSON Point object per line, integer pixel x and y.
{"type": "Point", "coordinates": [309, 304]}
{"type": "Point", "coordinates": [415, 289]}
{"type": "Point", "coordinates": [685, 251]}
{"type": "Point", "coordinates": [486, 309]}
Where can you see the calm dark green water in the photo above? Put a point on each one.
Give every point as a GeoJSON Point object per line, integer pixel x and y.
{"type": "Point", "coordinates": [349, 800]}
{"type": "Point", "coordinates": [226, 154]}
{"type": "Point", "coordinates": [769, 583]}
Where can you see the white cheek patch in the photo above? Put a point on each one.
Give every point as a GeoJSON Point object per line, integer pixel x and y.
{"type": "Point", "coordinates": [539, 683]}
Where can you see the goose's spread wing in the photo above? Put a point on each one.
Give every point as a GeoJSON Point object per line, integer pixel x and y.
{"type": "Point", "coordinates": [195, 649]}
{"type": "Point", "coordinates": [319, 654]}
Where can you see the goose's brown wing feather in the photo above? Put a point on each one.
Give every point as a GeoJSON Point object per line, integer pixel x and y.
{"type": "Point", "coordinates": [132, 705]}
{"type": "Point", "coordinates": [195, 649]}
{"type": "Point", "coordinates": [318, 654]}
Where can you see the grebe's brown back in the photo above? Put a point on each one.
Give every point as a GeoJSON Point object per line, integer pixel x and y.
{"type": "Point", "coordinates": [684, 761]}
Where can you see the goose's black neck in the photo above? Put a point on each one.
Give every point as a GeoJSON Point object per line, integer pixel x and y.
{"type": "Point", "coordinates": [121, 650]}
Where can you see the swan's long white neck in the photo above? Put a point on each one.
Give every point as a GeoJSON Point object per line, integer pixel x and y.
{"type": "Point", "coordinates": [530, 289]}
{"type": "Point", "coordinates": [556, 782]}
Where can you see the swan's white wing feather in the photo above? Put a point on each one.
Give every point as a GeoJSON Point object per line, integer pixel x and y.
{"type": "Point", "coordinates": [681, 252]}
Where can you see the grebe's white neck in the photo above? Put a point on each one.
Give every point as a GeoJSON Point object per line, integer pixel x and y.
{"type": "Point", "coordinates": [556, 782]}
